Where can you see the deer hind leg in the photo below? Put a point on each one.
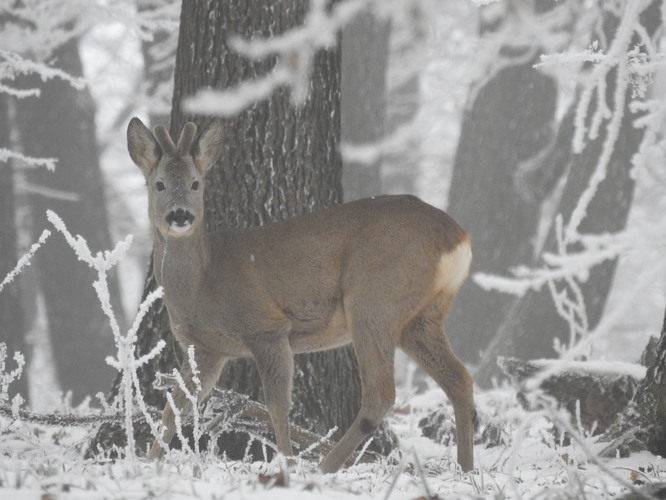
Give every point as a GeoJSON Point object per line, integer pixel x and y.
{"type": "Point", "coordinates": [424, 340]}
{"type": "Point", "coordinates": [275, 363]}
{"type": "Point", "coordinates": [209, 366]}
{"type": "Point", "coordinates": [375, 351]}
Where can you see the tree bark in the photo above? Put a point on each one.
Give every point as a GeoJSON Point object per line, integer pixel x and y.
{"type": "Point", "coordinates": [533, 324]}
{"type": "Point", "coordinates": [11, 313]}
{"type": "Point", "coordinates": [365, 43]}
{"type": "Point", "coordinates": [278, 161]}
{"type": "Point", "coordinates": [61, 124]}
{"type": "Point", "coordinates": [642, 426]}
{"type": "Point", "coordinates": [507, 129]}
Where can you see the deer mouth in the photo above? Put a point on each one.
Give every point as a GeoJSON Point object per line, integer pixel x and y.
{"type": "Point", "coordinates": [179, 220]}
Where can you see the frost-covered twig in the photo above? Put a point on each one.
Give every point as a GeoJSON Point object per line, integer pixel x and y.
{"type": "Point", "coordinates": [126, 363]}
{"type": "Point", "coordinates": [13, 65]}
{"type": "Point", "coordinates": [596, 249]}
{"type": "Point", "coordinates": [561, 419]}
{"type": "Point", "coordinates": [72, 420]}
{"type": "Point", "coordinates": [192, 395]}
{"type": "Point", "coordinates": [295, 49]}
{"type": "Point", "coordinates": [25, 259]}
{"type": "Point", "coordinates": [6, 155]}
{"type": "Point", "coordinates": [7, 377]}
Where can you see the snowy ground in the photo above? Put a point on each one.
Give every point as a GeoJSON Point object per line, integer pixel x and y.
{"type": "Point", "coordinates": [38, 462]}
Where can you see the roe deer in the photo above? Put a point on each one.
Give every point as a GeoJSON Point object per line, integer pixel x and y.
{"type": "Point", "coordinates": [380, 273]}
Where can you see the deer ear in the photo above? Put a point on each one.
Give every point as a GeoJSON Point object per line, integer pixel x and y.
{"type": "Point", "coordinates": [142, 146]}
{"type": "Point", "coordinates": [207, 149]}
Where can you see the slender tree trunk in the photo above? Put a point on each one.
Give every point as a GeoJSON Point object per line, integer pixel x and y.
{"type": "Point", "coordinates": [278, 161]}
{"type": "Point", "coordinates": [533, 324]}
{"type": "Point", "coordinates": [507, 128]}
{"type": "Point", "coordinates": [61, 124]}
{"type": "Point", "coordinates": [365, 43]}
{"type": "Point", "coordinates": [11, 313]}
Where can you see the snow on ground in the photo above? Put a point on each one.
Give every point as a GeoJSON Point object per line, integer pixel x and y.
{"type": "Point", "coordinates": [46, 463]}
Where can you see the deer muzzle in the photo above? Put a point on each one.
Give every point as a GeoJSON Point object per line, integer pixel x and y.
{"type": "Point", "coordinates": [179, 220]}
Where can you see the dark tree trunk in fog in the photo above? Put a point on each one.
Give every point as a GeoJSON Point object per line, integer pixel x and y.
{"type": "Point", "coordinates": [278, 161]}
{"type": "Point", "coordinates": [61, 124]}
{"type": "Point", "coordinates": [507, 130]}
{"type": "Point", "coordinates": [11, 313]}
{"type": "Point", "coordinates": [365, 43]}
{"type": "Point", "coordinates": [533, 323]}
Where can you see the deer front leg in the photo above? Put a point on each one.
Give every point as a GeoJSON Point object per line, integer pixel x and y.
{"type": "Point", "coordinates": [209, 366]}
{"type": "Point", "coordinates": [275, 363]}
{"type": "Point", "coordinates": [374, 354]}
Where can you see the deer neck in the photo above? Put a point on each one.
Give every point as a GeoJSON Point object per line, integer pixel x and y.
{"type": "Point", "coordinates": [180, 264]}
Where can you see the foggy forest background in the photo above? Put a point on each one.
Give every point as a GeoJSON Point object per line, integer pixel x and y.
{"type": "Point", "coordinates": [537, 124]}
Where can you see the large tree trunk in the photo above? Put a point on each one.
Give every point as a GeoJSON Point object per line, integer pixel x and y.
{"type": "Point", "coordinates": [365, 43]}
{"type": "Point", "coordinates": [11, 312]}
{"type": "Point", "coordinates": [533, 324]}
{"type": "Point", "coordinates": [507, 128]}
{"type": "Point", "coordinates": [61, 124]}
{"type": "Point", "coordinates": [278, 161]}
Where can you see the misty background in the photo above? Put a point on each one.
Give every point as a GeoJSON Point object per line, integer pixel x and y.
{"type": "Point", "coordinates": [412, 77]}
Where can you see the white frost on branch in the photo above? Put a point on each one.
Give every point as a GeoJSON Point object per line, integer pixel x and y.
{"type": "Point", "coordinates": [598, 114]}
{"type": "Point", "coordinates": [595, 249]}
{"type": "Point", "coordinates": [126, 362]}
{"type": "Point", "coordinates": [6, 155]}
{"type": "Point", "coordinates": [13, 65]}
{"type": "Point", "coordinates": [295, 50]}
{"type": "Point", "coordinates": [552, 367]}
{"type": "Point", "coordinates": [25, 259]}
{"type": "Point", "coordinates": [8, 377]}
{"type": "Point", "coordinates": [193, 398]}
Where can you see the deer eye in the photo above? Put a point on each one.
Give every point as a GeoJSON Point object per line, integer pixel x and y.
{"type": "Point", "coordinates": [160, 186]}
{"type": "Point", "coordinates": [195, 185]}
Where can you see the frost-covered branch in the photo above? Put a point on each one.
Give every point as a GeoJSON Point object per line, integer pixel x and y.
{"type": "Point", "coordinates": [25, 259]}
{"type": "Point", "coordinates": [6, 155]}
{"type": "Point", "coordinates": [7, 377]}
{"type": "Point", "coordinates": [69, 420]}
{"type": "Point", "coordinates": [191, 393]}
{"type": "Point", "coordinates": [126, 362]}
{"type": "Point", "coordinates": [295, 51]}
{"type": "Point", "coordinates": [599, 114]}
{"type": "Point", "coordinates": [13, 65]}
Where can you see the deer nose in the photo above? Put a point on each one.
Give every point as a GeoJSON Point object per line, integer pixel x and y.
{"type": "Point", "coordinates": [180, 217]}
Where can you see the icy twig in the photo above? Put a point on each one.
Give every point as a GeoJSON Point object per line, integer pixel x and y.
{"type": "Point", "coordinates": [12, 65]}
{"type": "Point", "coordinates": [296, 50]}
{"type": "Point", "coordinates": [7, 377]}
{"type": "Point", "coordinates": [126, 362]}
{"type": "Point", "coordinates": [25, 259]}
{"type": "Point", "coordinates": [192, 397]}
{"type": "Point", "coordinates": [48, 163]}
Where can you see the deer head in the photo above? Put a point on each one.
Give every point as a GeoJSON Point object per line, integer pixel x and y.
{"type": "Point", "coordinates": [174, 172]}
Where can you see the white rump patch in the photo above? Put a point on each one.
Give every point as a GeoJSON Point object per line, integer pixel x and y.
{"type": "Point", "coordinates": [453, 267]}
